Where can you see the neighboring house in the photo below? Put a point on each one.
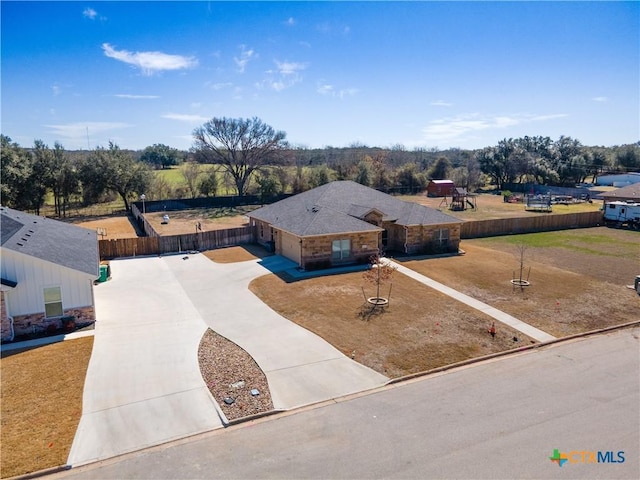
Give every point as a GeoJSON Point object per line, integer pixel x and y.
{"type": "Point", "coordinates": [48, 268]}
{"type": "Point", "coordinates": [618, 180]}
{"type": "Point", "coordinates": [630, 193]}
{"type": "Point", "coordinates": [345, 222]}
{"type": "Point", "coordinates": [440, 188]}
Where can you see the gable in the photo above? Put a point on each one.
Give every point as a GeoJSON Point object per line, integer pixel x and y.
{"type": "Point", "coordinates": [50, 240]}
{"type": "Point", "coordinates": [342, 206]}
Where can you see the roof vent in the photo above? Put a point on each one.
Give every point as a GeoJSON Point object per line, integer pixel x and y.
{"type": "Point", "coordinates": [20, 244]}
{"type": "Point", "coordinates": [314, 209]}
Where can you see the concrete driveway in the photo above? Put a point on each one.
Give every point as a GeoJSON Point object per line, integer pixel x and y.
{"type": "Point", "coordinates": [143, 383]}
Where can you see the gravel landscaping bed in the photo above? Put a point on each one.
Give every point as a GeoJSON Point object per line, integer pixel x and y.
{"type": "Point", "coordinates": [233, 377]}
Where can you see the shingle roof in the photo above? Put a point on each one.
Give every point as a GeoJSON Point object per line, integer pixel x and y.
{"type": "Point", "coordinates": [50, 240]}
{"type": "Point", "coordinates": [630, 192]}
{"type": "Point", "coordinates": [338, 207]}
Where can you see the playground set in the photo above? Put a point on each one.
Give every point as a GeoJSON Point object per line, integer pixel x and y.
{"type": "Point", "coordinates": [460, 200]}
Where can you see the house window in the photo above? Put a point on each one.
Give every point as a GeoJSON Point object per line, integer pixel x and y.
{"type": "Point", "coordinates": [441, 237]}
{"type": "Point", "coordinates": [341, 249]}
{"type": "Point", "coordinates": [53, 302]}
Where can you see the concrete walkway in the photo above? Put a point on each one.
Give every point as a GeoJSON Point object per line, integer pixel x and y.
{"type": "Point", "coordinates": [499, 315]}
{"type": "Point", "coordinates": [143, 384]}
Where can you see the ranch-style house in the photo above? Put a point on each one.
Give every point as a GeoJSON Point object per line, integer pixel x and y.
{"type": "Point", "coordinates": [344, 222]}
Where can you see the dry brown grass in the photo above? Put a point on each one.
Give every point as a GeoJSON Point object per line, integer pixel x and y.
{"type": "Point", "coordinates": [492, 206]}
{"type": "Point", "coordinates": [575, 287]}
{"type": "Point", "coordinates": [116, 227]}
{"type": "Point", "coordinates": [242, 253]}
{"type": "Point", "coordinates": [421, 329]}
{"type": "Point", "coordinates": [41, 404]}
{"type": "Point", "coordinates": [578, 284]}
{"type": "Point", "coordinates": [184, 221]}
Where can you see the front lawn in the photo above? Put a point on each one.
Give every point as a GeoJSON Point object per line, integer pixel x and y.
{"type": "Point", "coordinates": [41, 394]}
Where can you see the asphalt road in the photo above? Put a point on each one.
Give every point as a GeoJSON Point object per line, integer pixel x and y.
{"type": "Point", "coordinates": [493, 420]}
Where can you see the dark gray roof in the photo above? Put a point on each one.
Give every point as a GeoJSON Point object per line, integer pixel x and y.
{"type": "Point", "coordinates": [630, 192]}
{"type": "Point", "coordinates": [338, 207]}
{"type": "Point", "coordinates": [50, 240]}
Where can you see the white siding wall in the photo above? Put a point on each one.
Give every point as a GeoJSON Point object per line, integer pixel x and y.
{"type": "Point", "coordinates": [33, 275]}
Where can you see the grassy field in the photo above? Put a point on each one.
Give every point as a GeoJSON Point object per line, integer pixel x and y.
{"type": "Point", "coordinates": [41, 405]}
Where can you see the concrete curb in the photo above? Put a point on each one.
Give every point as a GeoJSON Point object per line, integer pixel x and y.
{"type": "Point", "coordinates": [512, 351]}
{"type": "Point", "coordinates": [255, 416]}
{"type": "Point", "coordinates": [41, 473]}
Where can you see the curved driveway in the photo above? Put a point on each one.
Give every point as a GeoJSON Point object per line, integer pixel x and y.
{"type": "Point", "coordinates": [143, 384]}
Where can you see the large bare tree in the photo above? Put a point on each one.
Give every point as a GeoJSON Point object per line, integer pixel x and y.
{"type": "Point", "coordinates": [240, 146]}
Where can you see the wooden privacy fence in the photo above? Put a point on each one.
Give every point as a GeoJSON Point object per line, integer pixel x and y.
{"type": "Point", "coordinates": [132, 247]}
{"type": "Point", "coordinates": [538, 223]}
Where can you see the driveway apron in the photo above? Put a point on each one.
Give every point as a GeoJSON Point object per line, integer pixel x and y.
{"type": "Point", "coordinates": [143, 385]}
{"type": "Point", "coordinates": [301, 367]}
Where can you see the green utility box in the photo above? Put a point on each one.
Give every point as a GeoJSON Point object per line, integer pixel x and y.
{"type": "Point", "coordinates": [104, 273]}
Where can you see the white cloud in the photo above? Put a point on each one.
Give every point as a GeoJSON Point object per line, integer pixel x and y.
{"type": "Point", "coordinates": [183, 117]}
{"type": "Point", "coordinates": [219, 86]}
{"type": "Point", "coordinates": [290, 22]}
{"type": "Point", "coordinates": [89, 13]}
{"type": "Point", "coordinates": [77, 133]}
{"type": "Point", "coordinates": [55, 89]}
{"type": "Point", "coordinates": [441, 103]}
{"type": "Point", "coordinates": [290, 68]}
{"type": "Point", "coordinates": [246, 55]}
{"type": "Point", "coordinates": [553, 116]}
{"type": "Point", "coordinates": [326, 89]}
{"type": "Point", "coordinates": [456, 128]}
{"type": "Point", "coordinates": [150, 62]}
{"type": "Point", "coordinates": [328, 28]}
{"type": "Point", "coordinates": [286, 75]}
{"type": "Point", "coordinates": [600, 99]}
{"type": "Point", "coordinates": [136, 97]}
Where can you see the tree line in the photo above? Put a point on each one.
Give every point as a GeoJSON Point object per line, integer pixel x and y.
{"type": "Point", "coordinates": [248, 156]}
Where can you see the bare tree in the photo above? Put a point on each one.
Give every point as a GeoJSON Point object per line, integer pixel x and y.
{"type": "Point", "coordinates": [240, 146]}
{"type": "Point", "coordinates": [379, 274]}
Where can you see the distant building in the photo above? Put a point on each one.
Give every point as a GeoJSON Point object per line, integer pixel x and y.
{"type": "Point", "coordinates": [629, 194]}
{"type": "Point", "coordinates": [440, 188]}
{"type": "Point", "coordinates": [618, 180]}
{"type": "Point", "coordinates": [48, 269]}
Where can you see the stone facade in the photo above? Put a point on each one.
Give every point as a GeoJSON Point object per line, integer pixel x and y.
{"type": "Point", "coordinates": [263, 233]}
{"type": "Point", "coordinates": [5, 326]}
{"type": "Point", "coordinates": [423, 239]}
{"type": "Point", "coordinates": [316, 251]}
{"type": "Point", "coordinates": [37, 323]}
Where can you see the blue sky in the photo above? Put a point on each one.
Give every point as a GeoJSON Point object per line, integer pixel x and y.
{"type": "Point", "coordinates": [417, 74]}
